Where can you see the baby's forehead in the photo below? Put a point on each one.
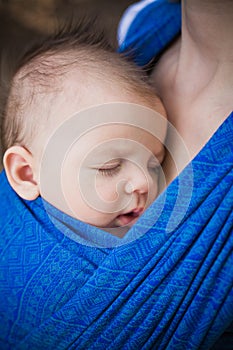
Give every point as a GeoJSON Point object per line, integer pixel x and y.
{"type": "Point", "coordinates": [53, 87]}
{"type": "Point", "coordinates": [42, 78]}
{"type": "Point", "coordinates": [111, 140]}
{"type": "Point", "coordinates": [77, 72]}
{"type": "Point", "coordinates": [43, 74]}
{"type": "Point", "coordinates": [41, 88]}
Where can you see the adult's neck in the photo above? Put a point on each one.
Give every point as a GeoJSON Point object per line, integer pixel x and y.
{"type": "Point", "coordinates": [209, 24]}
{"type": "Point", "coordinates": [201, 73]}
{"type": "Point", "coordinates": [206, 43]}
{"type": "Point", "coordinates": [195, 76]}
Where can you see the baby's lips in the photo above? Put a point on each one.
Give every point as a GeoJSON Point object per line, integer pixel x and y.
{"type": "Point", "coordinates": [129, 217]}
{"type": "Point", "coordinates": [137, 211]}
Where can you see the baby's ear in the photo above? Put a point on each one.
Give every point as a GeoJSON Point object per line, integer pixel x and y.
{"type": "Point", "coordinates": [18, 164]}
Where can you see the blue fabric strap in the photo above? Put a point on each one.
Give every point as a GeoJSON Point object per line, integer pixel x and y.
{"type": "Point", "coordinates": [152, 29]}
{"type": "Point", "coordinates": [152, 293]}
{"type": "Point", "coordinates": [170, 289]}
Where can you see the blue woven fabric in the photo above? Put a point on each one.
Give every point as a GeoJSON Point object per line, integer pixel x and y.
{"type": "Point", "coordinates": [170, 289]}
{"type": "Point", "coordinates": [166, 290]}
{"type": "Point", "coordinates": [152, 29]}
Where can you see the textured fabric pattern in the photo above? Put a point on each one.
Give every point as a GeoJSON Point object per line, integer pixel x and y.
{"type": "Point", "coordinates": [152, 293]}
{"type": "Point", "coordinates": [170, 289]}
{"type": "Point", "coordinates": [151, 30]}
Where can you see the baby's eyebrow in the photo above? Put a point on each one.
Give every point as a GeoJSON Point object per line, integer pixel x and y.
{"type": "Point", "coordinates": [109, 163]}
{"type": "Point", "coordinates": [113, 151]}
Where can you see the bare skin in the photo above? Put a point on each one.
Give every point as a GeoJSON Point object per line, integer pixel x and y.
{"type": "Point", "coordinates": [195, 76]}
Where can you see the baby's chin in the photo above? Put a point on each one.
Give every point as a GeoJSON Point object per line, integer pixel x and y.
{"type": "Point", "coordinates": [121, 224]}
{"type": "Point", "coordinates": [118, 231]}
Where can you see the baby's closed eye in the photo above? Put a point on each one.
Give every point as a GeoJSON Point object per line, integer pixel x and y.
{"type": "Point", "coordinates": [110, 168]}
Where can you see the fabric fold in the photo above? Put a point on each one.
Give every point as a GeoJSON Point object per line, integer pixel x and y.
{"type": "Point", "coordinates": [172, 288]}
{"type": "Point", "coordinates": [151, 292]}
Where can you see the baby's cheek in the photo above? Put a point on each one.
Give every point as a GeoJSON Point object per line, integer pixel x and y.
{"type": "Point", "coordinates": [154, 191]}
{"type": "Point", "coordinates": [107, 191]}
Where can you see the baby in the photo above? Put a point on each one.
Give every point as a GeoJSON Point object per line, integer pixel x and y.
{"type": "Point", "coordinates": [63, 93]}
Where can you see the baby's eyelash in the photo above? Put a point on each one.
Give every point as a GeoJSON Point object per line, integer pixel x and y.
{"type": "Point", "coordinates": [110, 171]}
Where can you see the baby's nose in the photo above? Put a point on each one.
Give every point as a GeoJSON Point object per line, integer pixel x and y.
{"type": "Point", "coordinates": [138, 182]}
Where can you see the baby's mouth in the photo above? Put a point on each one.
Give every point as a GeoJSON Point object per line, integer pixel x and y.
{"type": "Point", "coordinates": [128, 219]}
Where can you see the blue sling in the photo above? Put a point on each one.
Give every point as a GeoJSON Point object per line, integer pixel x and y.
{"type": "Point", "coordinates": [172, 288]}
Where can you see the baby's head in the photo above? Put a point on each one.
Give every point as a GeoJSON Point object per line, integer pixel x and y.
{"type": "Point", "coordinates": [62, 76]}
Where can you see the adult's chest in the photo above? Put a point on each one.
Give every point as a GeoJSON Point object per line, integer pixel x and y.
{"type": "Point", "coordinates": [194, 113]}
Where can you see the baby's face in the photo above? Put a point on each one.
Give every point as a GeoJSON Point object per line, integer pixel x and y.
{"type": "Point", "coordinates": [110, 175]}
